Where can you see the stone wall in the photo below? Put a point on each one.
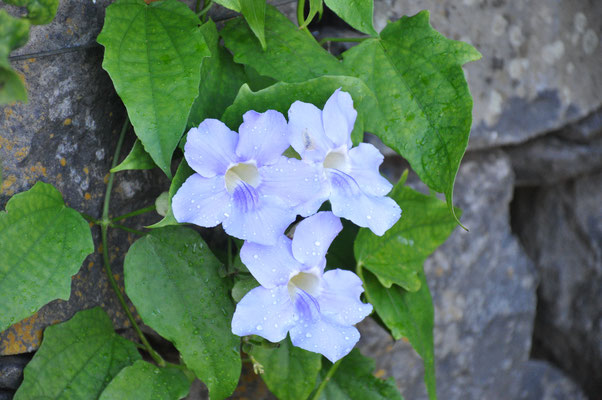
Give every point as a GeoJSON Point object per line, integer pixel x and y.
{"type": "Point", "coordinates": [517, 298]}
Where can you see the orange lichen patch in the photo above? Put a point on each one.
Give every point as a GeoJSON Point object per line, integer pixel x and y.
{"type": "Point", "coordinates": [8, 112]}
{"type": "Point", "coordinates": [381, 373]}
{"type": "Point", "coordinates": [67, 122]}
{"type": "Point", "coordinates": [389, 348]}
{"type": "Point", "coordinates": [22, 337]}
{"type": "Point", "coordinates": [63, 161]}
{"type": "Point", "coordinates": [7, 144]}
{"type": "Point", "coordinates": [31, 60]}
{"type": "Point", "coordinates": [21, 153]}
{"type": "Point", "coordinates": [106, 178]}
{"type": "Point", "coordinates": [35, 172]}
{"type": "Point", "coordinates": [86, 170]}
{"type": "Point", "coordinates": [87, 196]}
{"type": "Point", "coordinates": [7, 183]}
{"type": "Point", "coordinates": [439, 272]}
{"type": "Point", "coordinates": [99, 248]}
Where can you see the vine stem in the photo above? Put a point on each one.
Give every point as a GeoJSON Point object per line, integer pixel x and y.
{"type": "Point", "coordinates": [104, 225]}
{"type": "Point", "coordinates": [327, 378]}
{"type": "Point", "coordinates": [301, 17]}
{"type": "Point", "coordinates": [134, 213]}
{"type": "Point", "coordinates": [342, 39]}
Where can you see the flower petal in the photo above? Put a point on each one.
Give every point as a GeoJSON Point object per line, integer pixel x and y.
{"type": "Point", "coordinates": [340, 297]}
{"type": "Point", "coordinates": [264, 312]}
{"type": "Point", "coordinates": [256, 218]}
{"type": "Point", "coordinates": [263, 137]}
{"type": "Point", "coordinates": [348, 201]}
{"type": "Point", "coordinates": [201, 201]}
{"type": "Point", "coordinates": [307, 132]}
{"type": "Point", "coordinates": [365, 160]}
{"type": "Point", "coordinates": [210, 148]}
{"type": "Point", "coordinates": [326, 337]}
{"type": "Point", "coordinates": [270, 265]}
{"type": "Point", "coordinates": [339, 117]}
{"type": "Point", "coordinates": [295, 182]}
{"type": "Point", "coordinates": [313, 236]}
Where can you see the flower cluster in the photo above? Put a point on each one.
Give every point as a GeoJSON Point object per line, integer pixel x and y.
{"type": "Point", "coordinates": [245, 183]}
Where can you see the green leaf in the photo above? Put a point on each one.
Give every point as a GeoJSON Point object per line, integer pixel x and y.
{"type": "Point", "coordinates": [39, 12]}
{"type": "Point", "coordinates": [138, 158]}
{"type": "Point", "coordinates": [397, 256]}
{"type": "Point", "coordinates": [416, 74]}
{"type": "Point", "coordinates": [281, 95]}
{"type": "Point", "coordinates": [354, 380]}
{"type": "Point", "coordinates": [338, 255]}
{"type": "Point", "coordinates": [182, 173]}
{"type": "Point", "coordinates": [289, 372]}
{"type": "Point", "coordinates": [254, 13]}
{"type": "Point", "coordinates": [153, 54]}
{"type": "Point", "coordinates": [243, 284]}
{"type": "Point", "coordinates": [77, 359]}
{"type": "Point", "coordinates": [144, 381]}
{"type": "Point", "coordinates": [291, 55]}
{"type": "Point", "coordinates": [221, 78]}
{"type": "Point", "coordinates": [172, 278]}
{"type": "Point", "coordinates": [409, 315]}
{"type": "Point", "coordinates": [233, 5]}
{"type": "Point", "coordinates": [14, 33]}
{"type": "Point", "coordinates": [42, 244]}
{"type": "Point", "coordinates": [357, 13]}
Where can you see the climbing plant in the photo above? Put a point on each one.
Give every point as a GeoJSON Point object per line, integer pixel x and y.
{"type": "Point", "coordinates": [260, 130]}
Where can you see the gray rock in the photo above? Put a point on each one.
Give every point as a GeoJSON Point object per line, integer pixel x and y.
{"type": "Point", "coordinates": [561, 155]}
{"type": "Point", "coordinates": [541, 381]}
{"type": "Point", "coordinates": [11, 371]}
{"type": "Point", "coordinates": [540, 67]}
{"type": "Point", "coordinates": [560, 227]}
{"type": "Point", "coordinates": [483, 288]}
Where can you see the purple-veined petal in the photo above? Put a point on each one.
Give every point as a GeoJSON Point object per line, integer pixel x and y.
{"type": "Point", "coordinates": [202, 201]}
{"type": "Point", "coordinates": [348, 201]}
{"type": "Point", "coordinates": [338, 118]}
{"type": "Point", "coordinates": [263, 137]}
{"type": "Point", "coordinates": [340, 297]}
{"type": "Point", "coordinates": [313, 236]}
{"type": "Point", "coordinates": [325, 336]}
{"type": "Point", "coordinates": [297, 183]}
{"type": "Point", "coordinates": [210, 148]}
{"type": "Point", "coordinates": [264, 312]}
{"type": "Point", "coordinates": [256, 218]}
{"type": "Point", "coordinates": [307, 132]}
{"type": "Point", "coordinates": [365, 160]}
{"type": "Point", "coordinates": [270, 265]}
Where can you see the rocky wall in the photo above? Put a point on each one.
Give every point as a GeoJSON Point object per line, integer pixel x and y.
{"type": "Point", "coordinates": [517, 298]}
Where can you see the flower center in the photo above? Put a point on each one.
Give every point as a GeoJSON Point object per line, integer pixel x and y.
{"type": "Point", "coordinates": [242, 172]}
{"type": "Point", "coordinates": [309, 282]}
{"type": "Point", "coordinates": [337, 159]}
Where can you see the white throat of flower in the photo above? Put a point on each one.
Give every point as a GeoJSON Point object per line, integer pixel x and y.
{"type": "Point", "coordinates": [242, 172]}
{"type": "Point", "coordinates": [338, 159]}
{"type": "Point", "coordinates": [308, 281]}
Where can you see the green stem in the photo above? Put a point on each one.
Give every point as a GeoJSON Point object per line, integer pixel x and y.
{"type": "Point", "coordinates": [327, 378]}
{"type": "Point", "coordinates": [134, 213]}
{"type": "Point", "coordinates": [203, 13]}
{"type": "Point", "coordinates": [127, 229]}
{"type": "Point", "coordinates": [301, 17]}
{"type": "Point", "coordinates": [104, 225]}
{"type": "Point", "coordinates": [342, 39]}
{"type": "Point", "coordinates": [90, 218]}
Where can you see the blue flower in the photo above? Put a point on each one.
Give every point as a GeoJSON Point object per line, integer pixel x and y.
{"type": "Point", "coordinates": [242, 180]}
{"type": "Point", "coordinates": [318, 308]}
{"type": "Point", "coordinates": [354, 186]}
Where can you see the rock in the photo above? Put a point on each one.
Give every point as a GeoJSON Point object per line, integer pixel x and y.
{"type": "Point", "coordinates": [65, 135]}
{"type": "Point", "coordinates": [560, 227]}
{"type": "Point", "coordinates": [561, 155]}
{"type": "Point", "coordinates": [483, 288]}
{"type": "Point", "coordinates": [541, 381]}
{"type": "Point", "coordinates": [541, 61]}
{"type": "Point", "coordinates": [11, 371]}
